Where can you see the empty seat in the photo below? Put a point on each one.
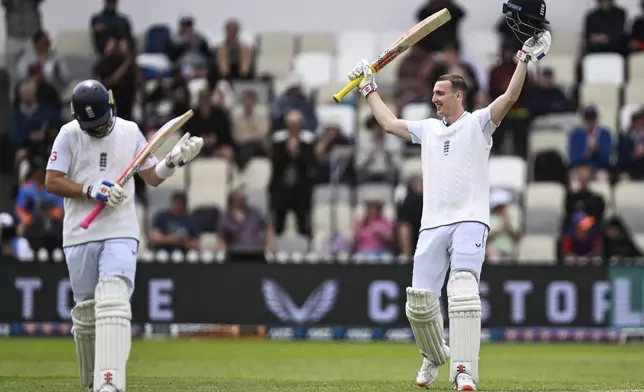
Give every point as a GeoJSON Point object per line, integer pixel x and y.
{"type": "Point", "coordinates": [538, 249]}
{"type": "Point", "coordinates": [541, 141]}
{"type": "Point", "coordinates": [277, 43]}
{"type": "Point", "coordinates": [382, 192]}
{"type": "Point", "coordinates": [388, 211]}
{"type": "Point", "coordinates": [634, 93]}
{"type": "Point", "coordinates": [343, 64]}
{"type": "Point", "coordinates": [564, 122]}
{"type": "Point", "coordinates": [628, 204]}
{"type": "Point", "coordinates": [411, 166]}
{"type": "Point", "coordinates": [315, 68]}
{"type": "Point", "coordinates": [78, 66]}
{"type": "Point", "coordinates": [258, 198]}
{"type": "Point", "coordinates": [361, 44]}
{"type": "Point", "coordinates": [257, 173]}
{"type": "Point", "coordinates": [481, 45]}
{"type": "Point", "coordinates": [564, 67]}
{"type": "Point", "coordinates": [208, 182]}
{"type": "Point", "coordinates": [208, 241]}
{"type": "Point", "coordinates": [638, 238]}
{"type": "Point", "coordinates": [625, 115]}
{"type": "Point", "coordinates": [74, 42]}
{"type": "Point", "coordinates": [330, 217]}
{"type": "Point", "coordinates": [602, 95]}
{"type": "Point", "coordinates": [603, 68]}
{"type": "Point", "coordinates": [195, 86]}
{"type": "Point", "coordinates": [636, 66]}
{"type": "Point", "coordinates": [508, 172]}
{"type": "Point", "coordinates": [544, 208]}
{"type": "Point", "coordinates": [416, 111]}
{"type": "Point", "coordinates": [330, 194]}
{"type": "Point", "coordinates": [565, 44]}
{"type": "Point", "coordinates": [292, 243]}
{"type": "Point", "coordinates": [343, 115]}
{"type": "Point", "coordinates": [278, 66]}
{"type": "Point", "coordinates": [317, 41]}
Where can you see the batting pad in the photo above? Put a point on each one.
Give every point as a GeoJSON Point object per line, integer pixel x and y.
{"type": "Point", "coordinates": [424, 314]}
{"type": "Point", "coordinates": [113, 332]}
{"type": "Point", "coordinates": [84, 331]}
{"type": "Point", "coordinates": [464, 308]}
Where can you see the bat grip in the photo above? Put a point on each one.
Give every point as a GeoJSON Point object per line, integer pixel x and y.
{"type": "Point", "coordinates": [92, 215]}
{"type": "Point", "coordinates": [347, 89]}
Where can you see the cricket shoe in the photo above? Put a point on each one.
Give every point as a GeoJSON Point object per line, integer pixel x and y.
{"type": "Point", "coordinates": [464, 382]}
{"type": "Point", "coordinates": [108, 388]}
{"type": "Point", "coordinates": [427, 373]}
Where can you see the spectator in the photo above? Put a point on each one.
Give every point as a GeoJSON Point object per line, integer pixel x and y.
{"type": "Point", "coordinates": [45, 92]}
{"type": "Point", "coordinates": [374, 233]}
{"type": "Point", "coordinates": [243, 228]}
{"type": "Point", "coordinates": [547, 97]}
{"type": "Point", "coordinates": [604, 28]}
{"type": "Point", "coordinates": [117, 70]}
{"type": "Point", "coordinates": [294, 164]}
{"type": "Point", "coordinates": [637, 32]}
{"type": "Point", "coordinates": [174, 229]}
{"type": "Point", "coordinates": [516, 122]}
{"type": "Point", "coordinates": [379, 155]}
{"type": "Point", "coordinates": [411, 85]}
{"type": "Point", "coordinates": [32, 194]}
{"type": "Point", "coordinates": [213, 124]}
{"type": "Point", "coordinates": [582, 240]}
{"type": "Point", "coordinates": [190, 50]}
{"type": "Point", "coordinates": [334, 152]}
{"type": "Point", "coordinates": [234, 57]}
{"type": "Point", "coordinates": [29, 120]}
{"type": "Point", "coordinates": [630, 155]}
{"type": "Point", "coordinates": [507, 35]}
{"type": "Point", "coordinates": [12, 244]}
{"type": "Point", "coordinates": [251, 125]}
{"type": "Point", "coordinates": [107, 24]}
{"type": "Point", "coordinates": [46, 228]}
{"type": "Point", "coordinates": [22, 20]}
{"type": "Point", "coordinates": [450, 62]}
{"type": "Point", "coordinates": [583, 200]}
{"type": "Point", "coordinates": [618, 242]}
{"type": "Point", "coordinates": [409, 218]}
{"type": "Point", "coordinates": [294, 99]}
{"type": "Point", "coordinates": [446, 35]}
{"type": "Point", "coordinates": [55, 71]}
{"type": "Point", "coordinates": [590, 144]}
{"type": "Point", "coordinates": [504, 235]}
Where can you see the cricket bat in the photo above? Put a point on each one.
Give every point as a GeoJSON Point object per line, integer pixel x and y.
{"type": "Point", "coordinates": [407, 40]}
{"type": "Point", "coordinates": [148, 150]}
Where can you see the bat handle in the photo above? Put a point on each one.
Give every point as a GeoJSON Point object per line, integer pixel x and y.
{"type": "Point", "coordinates": [347, 89]}
{"type": "Point", "coordinates": [92, 215]}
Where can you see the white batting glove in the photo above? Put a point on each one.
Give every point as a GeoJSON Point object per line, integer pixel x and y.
{"type": "Point", "coordinates": [106, 192]}
{"type": "Point", "coordinates": [368, 84]}
{"type": "Point", "coordinates": [186, 149]}
{"type": "Point", "coordinates": [535, 49]}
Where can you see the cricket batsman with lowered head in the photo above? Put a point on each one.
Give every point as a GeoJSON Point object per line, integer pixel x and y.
{"type": "Point", "coordinates": [88, 155]}
{"type": "Point", "coordinates": [456, 208]}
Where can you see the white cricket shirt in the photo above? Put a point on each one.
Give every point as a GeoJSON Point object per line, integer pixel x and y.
{"type": "Point", "coordinates": [455, 168]}
{"type": "Point", "coordinates": [86, 160]}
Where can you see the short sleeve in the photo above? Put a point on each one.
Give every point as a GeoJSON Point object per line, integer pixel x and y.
{"type": "Point", "coordinates": [140, 144]}
{"type": "Point", "coordinates": [416, 130]}
{"type": "Point", "coordinates": [60, 158]}
{"type": "Point", "coordinates": [484, 117]}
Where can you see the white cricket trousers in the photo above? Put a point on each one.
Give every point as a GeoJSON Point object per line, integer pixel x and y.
{"type": "Point", "coordinates": [460, 246]}
{"type": "Point", "coordinates": [89, 262]}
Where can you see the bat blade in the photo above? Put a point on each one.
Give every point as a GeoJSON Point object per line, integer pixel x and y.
{"type": "Point", "coordinates": [407, 40]}
{"type": "Point", "coordinates": [155, 142]}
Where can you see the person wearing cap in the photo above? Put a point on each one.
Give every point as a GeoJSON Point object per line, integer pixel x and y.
{"type": "Point", "coordinates": [294, 98]}
{"type": "Point", "coordinates": [504, 236]}
{"type": "Point", "coordinates": [12, 244]}
{"type": "Point", "coordinates": [590, 144]}
{"type": "Point", "coordinates": [630, 150]}
{"type": "Point", "coordinates": [547, 97]}
{"type": "Point", "coordinates": [174, 229]}
{"type": "Point", "coordinates": [107, 24]}
{"type": "Point", "coordinates": [55, 72]}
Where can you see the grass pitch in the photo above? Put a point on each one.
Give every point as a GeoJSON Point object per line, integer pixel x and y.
{"type": "Point", "coordinates": [49, 365]}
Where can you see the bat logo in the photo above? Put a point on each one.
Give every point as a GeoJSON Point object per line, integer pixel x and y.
{"type": "Point", "coordinates": [316, 306]}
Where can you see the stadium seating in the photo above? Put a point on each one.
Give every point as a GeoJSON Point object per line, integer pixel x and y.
{"type": "Point", "coordinates": [537, 249]}
{"type": "Point", "coordinates": [603, 68]}
{"type": "Point", "coordinates": [315, 68]}
{"type": "Point", "coordinates": [544, 208]}
{"type": "Point", "coordinates": [317, 42]}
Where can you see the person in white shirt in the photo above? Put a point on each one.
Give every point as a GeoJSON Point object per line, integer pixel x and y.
{"type": "Point", "coordinates": [87, 157]}
{"type": "Point", "coordinates": [455, 218]}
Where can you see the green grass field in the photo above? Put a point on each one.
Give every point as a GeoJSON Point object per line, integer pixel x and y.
{"type": "Point", "coordinates": [49, 365]}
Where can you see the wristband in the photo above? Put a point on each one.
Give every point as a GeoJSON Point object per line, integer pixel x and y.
{"type": "Point", "coordinates": [87, 191]}
{"type": "Point", "coordinates": [163, 171]}
{"type": "Point", "coordinates": [368, 89]}
{"type": "Point", "coordinates": [523, 56]}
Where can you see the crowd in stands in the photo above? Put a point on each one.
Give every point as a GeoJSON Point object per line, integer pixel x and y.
{"type": "Point", "coordinates": [270, 150]}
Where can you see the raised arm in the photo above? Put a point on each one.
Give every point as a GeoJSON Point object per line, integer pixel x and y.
{"type": "Point", "coordinates": [385, 117]}
{"type": "Point", "coordinates": [533, 50]}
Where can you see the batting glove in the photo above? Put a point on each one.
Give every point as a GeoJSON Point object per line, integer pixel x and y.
{"type": "Point", "coordinates": [106, 192]}
{"type": "Point", "coordinates": [534, 49]}
{"type": "Point", "coordinates": [186, 149]}
{"type": "Point", "coordinates": [368, 84]}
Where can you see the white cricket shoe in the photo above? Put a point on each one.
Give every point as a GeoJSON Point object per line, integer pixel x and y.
{"type": "Point", "coordinates": [108, 388]}
{"type": "Point", "coordinates": [427, 373]}
{"type": "Point", "coordinates": [464, 382]}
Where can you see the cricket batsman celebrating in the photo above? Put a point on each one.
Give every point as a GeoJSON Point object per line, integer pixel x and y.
{"type": "Point", "coordinates": [456, 208]}
{"type": "Point", "coordinates": [87, 157]}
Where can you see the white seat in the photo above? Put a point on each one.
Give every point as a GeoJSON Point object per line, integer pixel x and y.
{"type": "Point", "coordinates": [156, 61]}
{"type": "Point", "coordinates": [208, 241]}
{"type": "Point", "coordinates": [544, 208]}
{"type": "Point", "coordinates": [278, 66]}
{"type": "Point", "coordinates": [639, 240]}
{"type": "Point", "coordinates": [361, 44]}
{"type": "Point", "coordinates": [257, 173]}
{"type": "Point", "coordinates": [343, 64]}
{"type": "Point", "coordinates": [343, 115]}
{"type": "Point", "coordinates": [603, 68]}
{"type": "Point", "coordinates": [388, 211]}
{"type": "Point", "coordinates": [411, 166]}
{"type": "Point", "coordinates": [600, 94]}
{"type": "Point", "coordinates": [208, 182]}
{"type": "Point", "coordinates": [196, 86]}
{"type": "Point", "coordinates": [327, 194]}
{"type": "Point", "coordinates": [634, 92]}
{"type": "Point", "coordinates": [564, 122]}
{"type": "Point", "coordinates": [382, 192]}
{"type": "Point", "coordinates": [292, 243]}
{"type": "Point", "coordinates": [565, 43]}
{"type": "Point", "coordinates": [625, 115]}
{"type": "Point", "coordinates": [481, 45]}
{"type": "Point", "coordinates": [508, 172]}
{"type": "Point", "coordinates": [317, 41]}
{"type": "Point", "coordinates": [544, 140]}
{"type": "Point", "coordinates": [564, 67]}
{"type": "Point", "coordinates": [329, 217]}
{"type": "Point", "coordinates": [277, 43]}
{"type": "Point", "coordinates": [603, 189]}
{"type": "Point", "coordinates": [636, 66]}
{"type": "Point", "coordinates": [628, 204]}
{"type": "Point", "coordinates": [74, 42]}
{"type": "Point", "coordinates": [416, 111]}
{"type": "Point", "coordinates": [315, 68]}
{"type": "Point", "coordinates": [537, 249]}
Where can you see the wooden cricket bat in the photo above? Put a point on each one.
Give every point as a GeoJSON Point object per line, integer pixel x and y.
{"type": "Point", "coordinates": [407, 40]}
{"type": "Point", "coordinates": [148, 150]}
